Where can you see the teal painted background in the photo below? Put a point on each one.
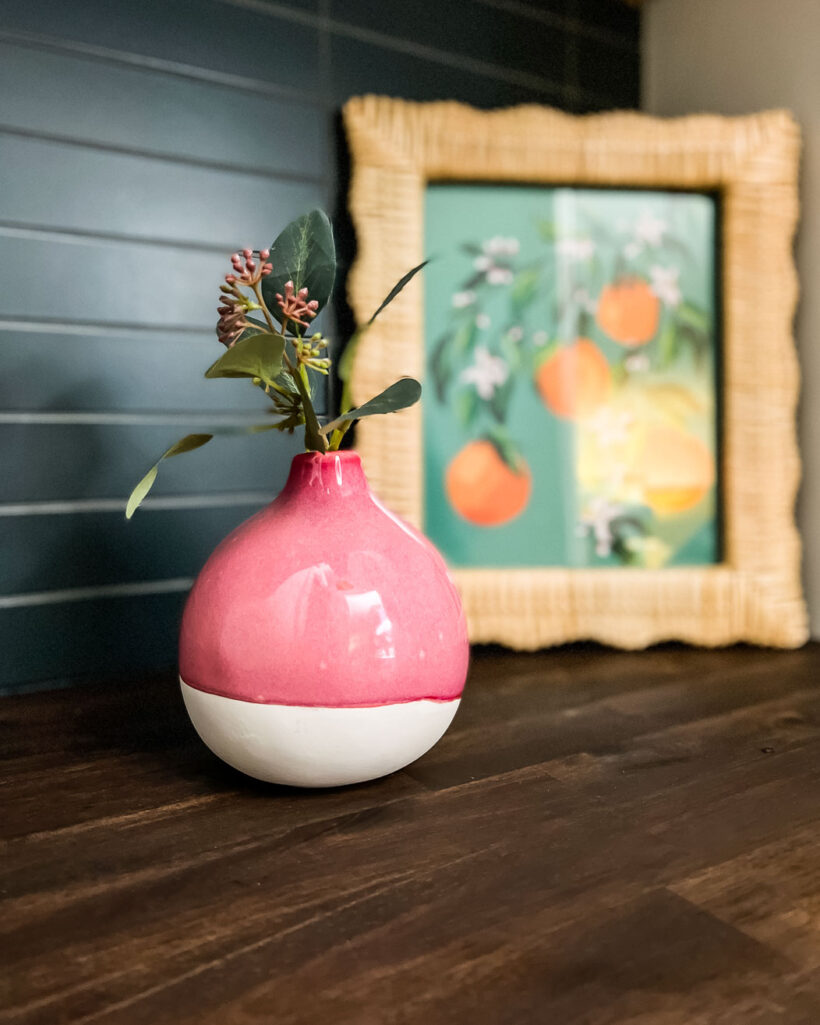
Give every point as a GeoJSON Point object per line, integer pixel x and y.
{"type": "Point", "coordinates": [569, 241]}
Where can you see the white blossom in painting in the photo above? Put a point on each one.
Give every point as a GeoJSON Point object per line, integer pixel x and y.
{"type": "Point", "coordinates": [632, 250]}
{"type": "Point", "coordinates": [664, 283]}
{"type": "Point", "coordinates": [650, 229]}
{"type": "Point", "coordinates": [487, 373]}
{"type": "Point", "coordinates": [637, 363]}
{"type": "Point", "coordinates": [576, 249]}
{"type": "Point", "coordinates": [611, 426]}
{"type": "Point", "coordinates": [597, 520]}
{"type": "Point", "coordinates": [462, 299]}
{"type": "Point", "coordinates": [500, 246]}
{"type": "Point", "coordinates": [499, 276]}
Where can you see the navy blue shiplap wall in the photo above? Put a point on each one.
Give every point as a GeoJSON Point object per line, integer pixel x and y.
{"type": "Point", "coordinates": [139, 144]}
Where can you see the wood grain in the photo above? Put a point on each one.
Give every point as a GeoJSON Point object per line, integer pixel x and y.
{"type": "Point", "coordinates": [602, 837]}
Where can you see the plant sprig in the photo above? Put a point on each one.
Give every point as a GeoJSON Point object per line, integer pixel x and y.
{"type": "Point", "coordinates": [288, 285]}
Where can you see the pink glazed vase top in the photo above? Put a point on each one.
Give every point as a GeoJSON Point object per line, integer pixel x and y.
{"type": "Point", "coordinates": [323, 621]}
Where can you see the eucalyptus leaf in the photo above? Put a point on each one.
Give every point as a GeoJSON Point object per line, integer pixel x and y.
{"type": "Point", "coordinates": [403, 393]}
{"type": "Point", "coordinates": [186, 444]}
{"type": "Point", "coordinates": [305, 254]}
{"type": "Point", "coordinates": [344, 367]}
{"type": "Point", "coordinates": [258, 355]}
{"type": "Point", "coordinates": [255, 327]}
{"type": "Point", "coordinates": [394, 291]}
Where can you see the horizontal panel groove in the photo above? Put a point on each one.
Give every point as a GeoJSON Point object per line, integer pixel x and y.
{"type": "Point", "coordinates": [387, 42]}
{"type": "Point", "coordinates": [562, 21]}
{"type": "Point", "coordinates": [51, 44]}
{"type": "Point", "coordinates": [74, 594]}
{"type": "Point", "coordinates": [98, 327]}
{"type": "Point", "coordinates": [171, 158]}
{"type": "Point", "coordinates": [78, 506]}
{"type": "Point", "coordinates": [190, 418]}
{"type": "Point", "coordinates": [40, 232]}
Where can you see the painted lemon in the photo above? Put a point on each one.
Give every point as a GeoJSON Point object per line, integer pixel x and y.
{"type": "Point", "coordinates": [676, 469]}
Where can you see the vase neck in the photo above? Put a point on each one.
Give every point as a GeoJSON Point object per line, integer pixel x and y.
{"type": "Point", "coordinates": [334, 473]}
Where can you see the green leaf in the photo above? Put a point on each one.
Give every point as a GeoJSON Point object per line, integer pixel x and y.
{"type": "Point", "coordinates": [440, 367]}
{"type": "Point", "coordinates": [403, 393]}
{"type": "Point", "coordinates": [667, 343]}
{"type": "Point", "coordinates": [314, 439]}
{"type": "Point", "coordinates": [500, 401]}
{"type": "Point", "coordinates": [394, 291]}
{"type": "Point", "coordinates": [186, 444]}
{"type": "Point", "coordinates": [256, 327]}
{"type": "Point", "coordinates": [693, 317]}
{"type": "Point", "coordinates": [467, 406]}
{"type": "Point", "coordinates": [252, 356]}
{"type": "Point", "coordinates": [344, 366]}
{"type": "Point", "coordinates": [506, 448]}
{"type": "Point", "coordinates": [305, 254]}
{"type": "Point", "coordinates": [524, 289]}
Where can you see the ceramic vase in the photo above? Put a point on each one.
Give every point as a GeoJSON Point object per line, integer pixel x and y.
{"type": "Point", "coordinates": [323, 643]}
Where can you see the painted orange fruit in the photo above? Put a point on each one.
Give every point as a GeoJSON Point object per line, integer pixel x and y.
{"type": "Point", "coordinates": [628, 311]}
{"type": "Point", "coordinates": [575, 380]}
{"type": "Point", "coordinates": [483, 488]}
{"type": "Point", "coordinates": [676, 469]}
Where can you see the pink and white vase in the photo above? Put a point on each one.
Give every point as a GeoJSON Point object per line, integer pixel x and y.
{"type": "Point", "coordinates": [323, 643]}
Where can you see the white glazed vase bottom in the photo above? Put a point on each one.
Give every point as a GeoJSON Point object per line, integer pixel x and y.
{"type": "Point", "coordinates": [306, 746]}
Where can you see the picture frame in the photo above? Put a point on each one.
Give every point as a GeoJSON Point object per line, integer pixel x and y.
{"type": "Point", "coordinates": [753, 593]}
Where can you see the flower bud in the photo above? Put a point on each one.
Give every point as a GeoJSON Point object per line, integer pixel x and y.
{"type": "Point", "coordinates": [247, 253]}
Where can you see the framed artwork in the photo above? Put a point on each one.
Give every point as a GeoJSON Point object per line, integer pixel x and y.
{"type": "Point", "coordinates": [605, 447]}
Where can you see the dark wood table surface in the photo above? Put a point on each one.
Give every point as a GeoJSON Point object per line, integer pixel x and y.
{"type": "Point", "coordinates": [602, 837]}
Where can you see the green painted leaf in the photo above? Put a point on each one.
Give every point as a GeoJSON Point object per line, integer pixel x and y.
{"type": "Point", "coordinates": [506, 448]}
{"type": "Point", "coordinates": [667, 343]}
{"type": "Point", "coordinates": [524, 289]}
{"type": "Point", "coordinates": [500, 401]}
{"type": "Point", "coordinates": [257, 355]}
{"type": "Point", "coordinates": [403, 393]}
{"type": "Point", "coordinates": [305, 254]}
{"type": "Point", "coordinates": [467, 406]}
{"type": "Point", "coordinates": [693, 317]}
{"type": "Point", "coordinates": [440, 367]}
{"type": "Point", "coordinates": [394, 291]}
{"type": "Point", "coordinates": [186, 444]}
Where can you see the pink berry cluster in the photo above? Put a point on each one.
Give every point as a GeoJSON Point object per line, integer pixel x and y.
{"type": "Point", "coordinates": [249, 272]}
{"type": "Point", "coordinates": [295, 306]}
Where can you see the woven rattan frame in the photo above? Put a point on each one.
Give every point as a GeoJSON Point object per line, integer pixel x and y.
{"type": "Point", "coordinates": [755, 593]}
